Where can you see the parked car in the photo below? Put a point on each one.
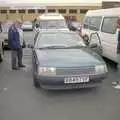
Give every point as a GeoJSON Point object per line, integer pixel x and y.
{"type": "Point", "coordinates": [4, 34]}
{"type": "Point", "coordinates": [52, 21]}
{"type": "Point", "coordinates": [27, 25]}
{"type": "Point", "coordinates": [61, 60]}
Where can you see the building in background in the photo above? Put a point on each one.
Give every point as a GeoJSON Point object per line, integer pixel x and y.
{"type": "Point", "coordinates": [72, 11]}
{"type": "Point", "coordinates": [110, 4]}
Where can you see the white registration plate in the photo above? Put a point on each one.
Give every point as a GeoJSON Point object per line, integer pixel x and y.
{"type": "Point", "coordinates": [78, 79]}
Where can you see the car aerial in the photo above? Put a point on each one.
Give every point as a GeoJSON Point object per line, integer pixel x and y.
{"type": "Point", "coordinates": [61, 60]}
{"type": "Point", "coordinates": [4, 34]}
{"type": "Point", "coordinates": [27, 26]}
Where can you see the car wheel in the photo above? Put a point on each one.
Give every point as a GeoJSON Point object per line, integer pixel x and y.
{"type": "Point", "coordinates": [35, 83]}
{"type": "Point", "coordinates": [1, 56]}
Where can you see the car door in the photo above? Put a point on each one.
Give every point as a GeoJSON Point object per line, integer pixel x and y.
{"type": "Point", "coordinates": [34, 55]}
{"type": "Point", "coordinates": [35, 38]}
{"type": "Point", "coordinates": [108, 36]}
{"type": "Point", "coordinates": [95, 43]}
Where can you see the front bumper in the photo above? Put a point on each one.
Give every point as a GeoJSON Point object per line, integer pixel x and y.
{"type": "Point", "coordinates": [58, 82]}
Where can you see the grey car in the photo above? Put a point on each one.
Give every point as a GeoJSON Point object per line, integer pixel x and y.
{"type": "Point", "coordinates": [61, 60]}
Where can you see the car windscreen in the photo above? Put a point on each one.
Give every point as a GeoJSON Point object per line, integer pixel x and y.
{"type": "Point", "coordinates": [49, 24]}
{"type": "Point", "coordinates": [59, 39]}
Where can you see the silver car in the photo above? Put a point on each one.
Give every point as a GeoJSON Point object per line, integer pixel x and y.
{"type": "Point", "coordinates": [27, 25]}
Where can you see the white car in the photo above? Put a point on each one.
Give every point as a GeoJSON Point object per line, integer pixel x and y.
{"type": "Point", "coordinates": [27, 25]}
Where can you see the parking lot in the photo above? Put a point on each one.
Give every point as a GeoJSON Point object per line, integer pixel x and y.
{"type": "Point", "coordinates": [19, 100]}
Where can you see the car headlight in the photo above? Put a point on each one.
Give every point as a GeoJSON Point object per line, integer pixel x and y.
{"type": "Point", "coordinates": [101, 69]}
{"type": "Point", "coordinates": [47, 71]}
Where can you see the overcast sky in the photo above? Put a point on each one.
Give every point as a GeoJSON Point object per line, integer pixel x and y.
{"type": "Point", "coordinates": [54, 1]}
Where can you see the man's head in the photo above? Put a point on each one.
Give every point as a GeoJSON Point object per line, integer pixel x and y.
{"type": "Point", "coordinates": [18, 23]}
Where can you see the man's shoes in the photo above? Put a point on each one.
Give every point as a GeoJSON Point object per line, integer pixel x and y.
{"type": "Point", "coordinates": [22, 66]}
{"type": "Point", "coordinates": [117, 86]}
{"type": "Point", "coordinates": [15, 68]}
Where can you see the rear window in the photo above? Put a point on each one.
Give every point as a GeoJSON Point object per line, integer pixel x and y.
{"type": "Point", "coordinates": [49, 24]}
{"type": "Point", "coordinates": [109, 25]}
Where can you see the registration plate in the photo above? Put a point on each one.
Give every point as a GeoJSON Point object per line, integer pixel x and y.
{"type": "Point", "coordinates": [79, 79]}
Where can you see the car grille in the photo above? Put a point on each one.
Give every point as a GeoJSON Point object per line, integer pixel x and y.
{"type": "Point", "coordinates": [75, 71]}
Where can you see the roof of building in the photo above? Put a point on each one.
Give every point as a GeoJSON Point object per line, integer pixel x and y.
{"type": "Point", "coordinates": [50, 3]}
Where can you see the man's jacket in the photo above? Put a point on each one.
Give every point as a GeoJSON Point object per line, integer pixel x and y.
{"type": "Point", "coordinates": [13, 38]}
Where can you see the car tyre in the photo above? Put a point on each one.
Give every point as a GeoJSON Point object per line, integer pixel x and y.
{"type": "Point", "coordinates": [35, 83]}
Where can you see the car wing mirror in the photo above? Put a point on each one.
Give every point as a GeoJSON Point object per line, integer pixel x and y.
{"type": "Point", "coordinates": [86, 39]}
{"type": "Point", "coordinates": [94, 45]}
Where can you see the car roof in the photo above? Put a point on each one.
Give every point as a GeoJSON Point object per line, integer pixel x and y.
{"type": "Point", "coordinates": [51, 16]}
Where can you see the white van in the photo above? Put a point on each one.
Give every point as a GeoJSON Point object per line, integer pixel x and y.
{"type": "Point", "coordinates": [103, 22]}
{"type": "Point", "coordinates": [52, 21]}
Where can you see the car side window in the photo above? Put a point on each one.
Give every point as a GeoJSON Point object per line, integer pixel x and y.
{"type": "Point", "coordinates": [109, 25]}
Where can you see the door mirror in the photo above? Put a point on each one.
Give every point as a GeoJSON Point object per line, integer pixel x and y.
{"type": "Point", "coordinates": [94, 45]}
{"type": "Point", "coordinates": [86, 39]}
